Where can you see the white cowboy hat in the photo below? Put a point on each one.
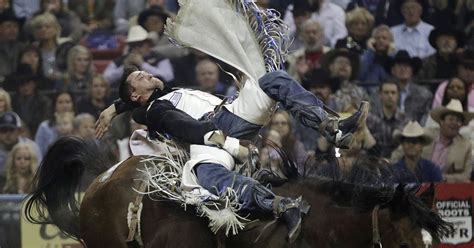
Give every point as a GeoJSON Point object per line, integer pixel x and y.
{"type": "Point", "coordinates": [454, 106]}
{"type": "Point", "coordinates": [137, 33]}
{"type": "Point", "coordinates": [412, 130]}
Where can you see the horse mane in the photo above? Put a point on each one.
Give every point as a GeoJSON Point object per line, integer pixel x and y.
{"type": "Point", "coordinates": [68, 167]}
{"type": "Point", "coordinates": [368, 183]}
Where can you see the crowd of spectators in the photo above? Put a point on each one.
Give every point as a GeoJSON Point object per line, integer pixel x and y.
{"type": "Point", "coordinates": [61, 60]}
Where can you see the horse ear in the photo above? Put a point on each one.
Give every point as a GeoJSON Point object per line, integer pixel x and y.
{"type": "Point", "coordinates": [428, 195]}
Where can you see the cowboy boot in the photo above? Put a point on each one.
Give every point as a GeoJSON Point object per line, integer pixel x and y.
{"type": "Point", "coordinates": [289, 210]}
{"type": "Point", "coordinates": [285, 208]}
{"type": "Point", "coordinates": [339, 132]}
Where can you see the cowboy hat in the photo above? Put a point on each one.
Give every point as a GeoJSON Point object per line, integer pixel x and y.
{"type": "Point", "coordinates": [319, 77]}
{"type": "Point", "coordinates": [437, 32]}
{"type": "Point", "coordinates": [402, 57]}
{"type": "Point", "coordinates": [136, 34]}
{"type": "Point", "coordinates": [412, 130]}
{"type": "Point", "coordinates": [454, 106]}
{"type": "Point", "coordinates": [330, 56]}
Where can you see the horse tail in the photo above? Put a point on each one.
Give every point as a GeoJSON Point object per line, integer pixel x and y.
{"type": "Point", "coordinates": [405, 201]}
{"type": "Point", "coordinates": [60, 175]}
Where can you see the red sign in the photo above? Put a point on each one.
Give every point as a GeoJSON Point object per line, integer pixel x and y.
{"type": "Point", "coordinates": [454, 203]}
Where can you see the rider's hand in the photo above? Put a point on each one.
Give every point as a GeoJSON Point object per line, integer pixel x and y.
{"type": "Point", "coordinates": [103, 123]}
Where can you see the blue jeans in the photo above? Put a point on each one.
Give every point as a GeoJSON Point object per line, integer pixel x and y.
{"type": "Point", "coordinates": [278, 85]}
{"type": "Point", "coordinates": [216, 179]}
{"type": "Point", "coordinates": [302, 104]}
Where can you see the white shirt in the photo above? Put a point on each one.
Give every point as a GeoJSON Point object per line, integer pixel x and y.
{"type": "Point", "coordinates": [193, 102]}
{"type": "Point", "coordinates": [331, 17]}
{"type": "Point", "coordinates": [413, 39]}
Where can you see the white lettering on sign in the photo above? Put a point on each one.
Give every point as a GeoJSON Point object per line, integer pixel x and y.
{"type": "Point", "coordinates": [457, 212]}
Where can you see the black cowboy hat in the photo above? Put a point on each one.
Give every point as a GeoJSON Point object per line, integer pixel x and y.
{"type": "Point", "coordinates": [402, 57]}
{"type": "Point", "coordinates": [435, 33]}
{"type": "Point", "coordinates": [152, 11]}
{"type": "Point", "coordinates": [9, 16]}
{"type": "Point", "coordinates": [319, 77]}
{"type": "Point", "coordinates": [329, 57]}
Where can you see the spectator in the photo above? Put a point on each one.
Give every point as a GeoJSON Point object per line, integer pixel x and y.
{"type": "Point", "coordinates": [450, 150]}
{"type": "Point", "coordinates": [79, 72]}
{"type": "Point", "coordinates": [46, 31]}
{"type": "Point", "coordinates": [308, 57]}
{"type": "Point", "coordinates": [374, 59]}
{"type": "Point", "coordinates": [442, 64]}
{"type": "Point", "coordinates": [207, 77]}
{"type": "Point", "coordinates": [30, 104]}
{"type": "Point", "coordinates": [10, 126]}
{"type": "Point", "coordinates": [382, 122]}
{"type": "Point", "coordinates": [83, 126]}
{"type": "Point", "coordinates": [343, 66]}
{"type": "Point", "coordinates": [96, 15]}
{"type": "Point", "coordinates": [455, 89]}
{"type": "Point", "coordinates": [412, 35]}
{"type": "Point", "coordinates": [466, 73]}
{"type": "Point", "coordinates": [359, 22]}
{"type": "Point", "coordinates": [294, 149]}
{"type": "Point", "coordinates": [31, 55]}
{"type": "Point", "coordinates": [71, 26]}
{"type": "Point", "coordinates": [49, 130]}
{"type": "Point", "coordinates": [97, 98]}
{"type": "Point", "coordinates": [10, 45]}
{"type": "Point", "coordinates": [412, 168]}
{"type": "Point", "coordinates": [301, 13]}
{"type": "Point", "coordinates": [153, 21]}
{"type": "Point", "coordinates": [21, 167]}
{"type": "Point", "coordinates": [140, 55]}
{"type": "Point", "coordinates": [5, 101]}
{"type": "Point", "coordinates": [415, 100]}
{"type": "Point", "coordinates": [331, 17]}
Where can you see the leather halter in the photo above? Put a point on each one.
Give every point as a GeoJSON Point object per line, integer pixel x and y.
{"type": "Point", "coordinates": [376, 241]}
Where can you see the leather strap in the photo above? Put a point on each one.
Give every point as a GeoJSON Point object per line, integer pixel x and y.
{"type": "Point", "coordinates": [135, 209]}
{"type": "Point", "coordinates": [376, 241]}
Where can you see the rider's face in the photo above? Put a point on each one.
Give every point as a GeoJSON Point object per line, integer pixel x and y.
{"type": "Point", "coordinates": [142, 86]}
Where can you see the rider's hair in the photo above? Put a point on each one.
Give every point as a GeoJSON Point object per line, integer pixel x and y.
{"type": "Point", "coordinates": [124, 86]}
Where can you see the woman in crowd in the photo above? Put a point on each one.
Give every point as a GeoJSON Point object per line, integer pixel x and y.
{"type": "Point", "coordinates": [80, 70]}
{"type": "Point", "coordinates": [46, 31]}
{"type": "Point", "coordinates": [97, 98]}
{"type": "Point", "coordinates": [48, 130]}
{"type": "Point", "coordinates": [21, 166]}
{"type": "Point", "coordinates": [70, 23]}
{"type": "Point", "coordinates": [359, 22]}
{"type": "Point", "coordinates": [295, 150]}
{"type": "Point", "coordinates": [455, 89]}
